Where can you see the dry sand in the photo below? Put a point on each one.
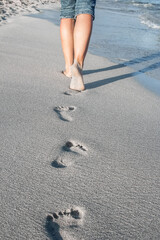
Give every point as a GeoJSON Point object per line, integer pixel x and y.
{"type": "Point", "coordinates": [90, 159]}
{"type": "Point", "coordinates": [10, 8]}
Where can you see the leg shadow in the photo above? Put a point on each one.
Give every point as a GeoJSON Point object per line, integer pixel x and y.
{"type": "Point", "coordinates": [121, 65]}
{"type": "Point", "coordinates": [124, 76]}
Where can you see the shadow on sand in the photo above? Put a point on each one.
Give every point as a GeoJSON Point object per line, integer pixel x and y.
{"type": "Point", "coordinates": [121, 65]}
{"type": "Point", "coordinates": [102, 82]}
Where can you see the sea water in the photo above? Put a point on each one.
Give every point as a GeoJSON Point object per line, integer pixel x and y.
{"type": "Point", "coordinates": [126, 32]}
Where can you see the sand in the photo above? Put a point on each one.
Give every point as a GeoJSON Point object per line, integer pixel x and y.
{"type": "Point", "coordinates": [11, 8]}
{"type": "Point", "coordinates": [74, 165]}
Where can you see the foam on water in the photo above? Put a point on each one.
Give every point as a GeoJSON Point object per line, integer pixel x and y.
{"type": "Point", "coordinates": [148, 8]}
{"type": "Point", "coordinates": [149, 23]}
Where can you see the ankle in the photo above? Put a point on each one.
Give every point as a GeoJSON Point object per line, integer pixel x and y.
{"type": "Point", "coordinates": [68, 68]}
{"type": "Point", "coordinates": [80, 63]}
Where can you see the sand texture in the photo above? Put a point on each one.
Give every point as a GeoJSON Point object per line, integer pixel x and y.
{"type": "Point", "coordinates": [9, 8]}
{"type": "Point", "coordinates": [74, 165]}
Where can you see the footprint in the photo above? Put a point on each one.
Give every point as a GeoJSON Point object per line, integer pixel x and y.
{"type": "Point", "coordinates": [59, 224]}
{"type": "Point", "coordinates": [72, 92]}
{"type": "Point", "coordinates": [63, 112]}
{"type": "Point", "coordinates": [64, 159]}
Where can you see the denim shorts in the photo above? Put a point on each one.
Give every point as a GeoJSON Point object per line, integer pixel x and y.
{"type": "Point", "coordinates": [72, 8]}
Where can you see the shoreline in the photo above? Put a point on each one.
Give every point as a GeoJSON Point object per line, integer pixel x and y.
{"type": "Point", "coordinates": [111, 174]}
{"type": "Point", "coordinates": [149, 78]}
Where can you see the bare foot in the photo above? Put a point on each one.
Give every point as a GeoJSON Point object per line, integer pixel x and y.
{"type": "Point", "coordinates": [77, 77]}
{"type": "Point", "coordinates": [67, 74]}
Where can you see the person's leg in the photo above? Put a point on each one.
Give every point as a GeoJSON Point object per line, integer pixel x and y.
{"type": "Point", "coordinates": [66, 32]}
{"type": "Point", "coordinates": [84, 13]}
{"type": "Point", "coordinates": [67, 16]}
{"type": "Point", "coordinates": [82, 33]}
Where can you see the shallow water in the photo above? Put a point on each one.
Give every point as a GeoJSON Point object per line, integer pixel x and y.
{"type": "Point", "coordinates": [147, 10]}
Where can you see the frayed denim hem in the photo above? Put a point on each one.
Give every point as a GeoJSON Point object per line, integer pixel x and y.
{"type": "Point", "coordinates": [61, 17]}
{"type": "Point", "coordinates": [85, 12]}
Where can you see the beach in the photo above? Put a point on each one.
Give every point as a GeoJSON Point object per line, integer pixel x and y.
{"type": "Point", "coordinates": [10, 9]}
{"type": "Point", "coordinates": [128, 35]}
{"type": "Point", "coordinates": [74, 165]}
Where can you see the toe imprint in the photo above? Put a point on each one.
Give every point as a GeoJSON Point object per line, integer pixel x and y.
{"type": "Point", "coordinates": [72, 146]}
{"type": "Point", "coordinates": [75, 213]}
{"type": "Point", "coordinates": [62, 108]}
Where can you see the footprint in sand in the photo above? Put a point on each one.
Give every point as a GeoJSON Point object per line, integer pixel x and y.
{"type": "Point", "coordinates": [63, 112]}
{"type": "Point", "coordinates": [70, 148]}
{"type": "Point", "coordinates": [58, 224]}
{"type": "Point", "coordinates": [71, 92]}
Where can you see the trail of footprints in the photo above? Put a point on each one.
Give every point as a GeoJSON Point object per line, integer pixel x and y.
{"type": "Point", "coordinates": [58, 222]}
